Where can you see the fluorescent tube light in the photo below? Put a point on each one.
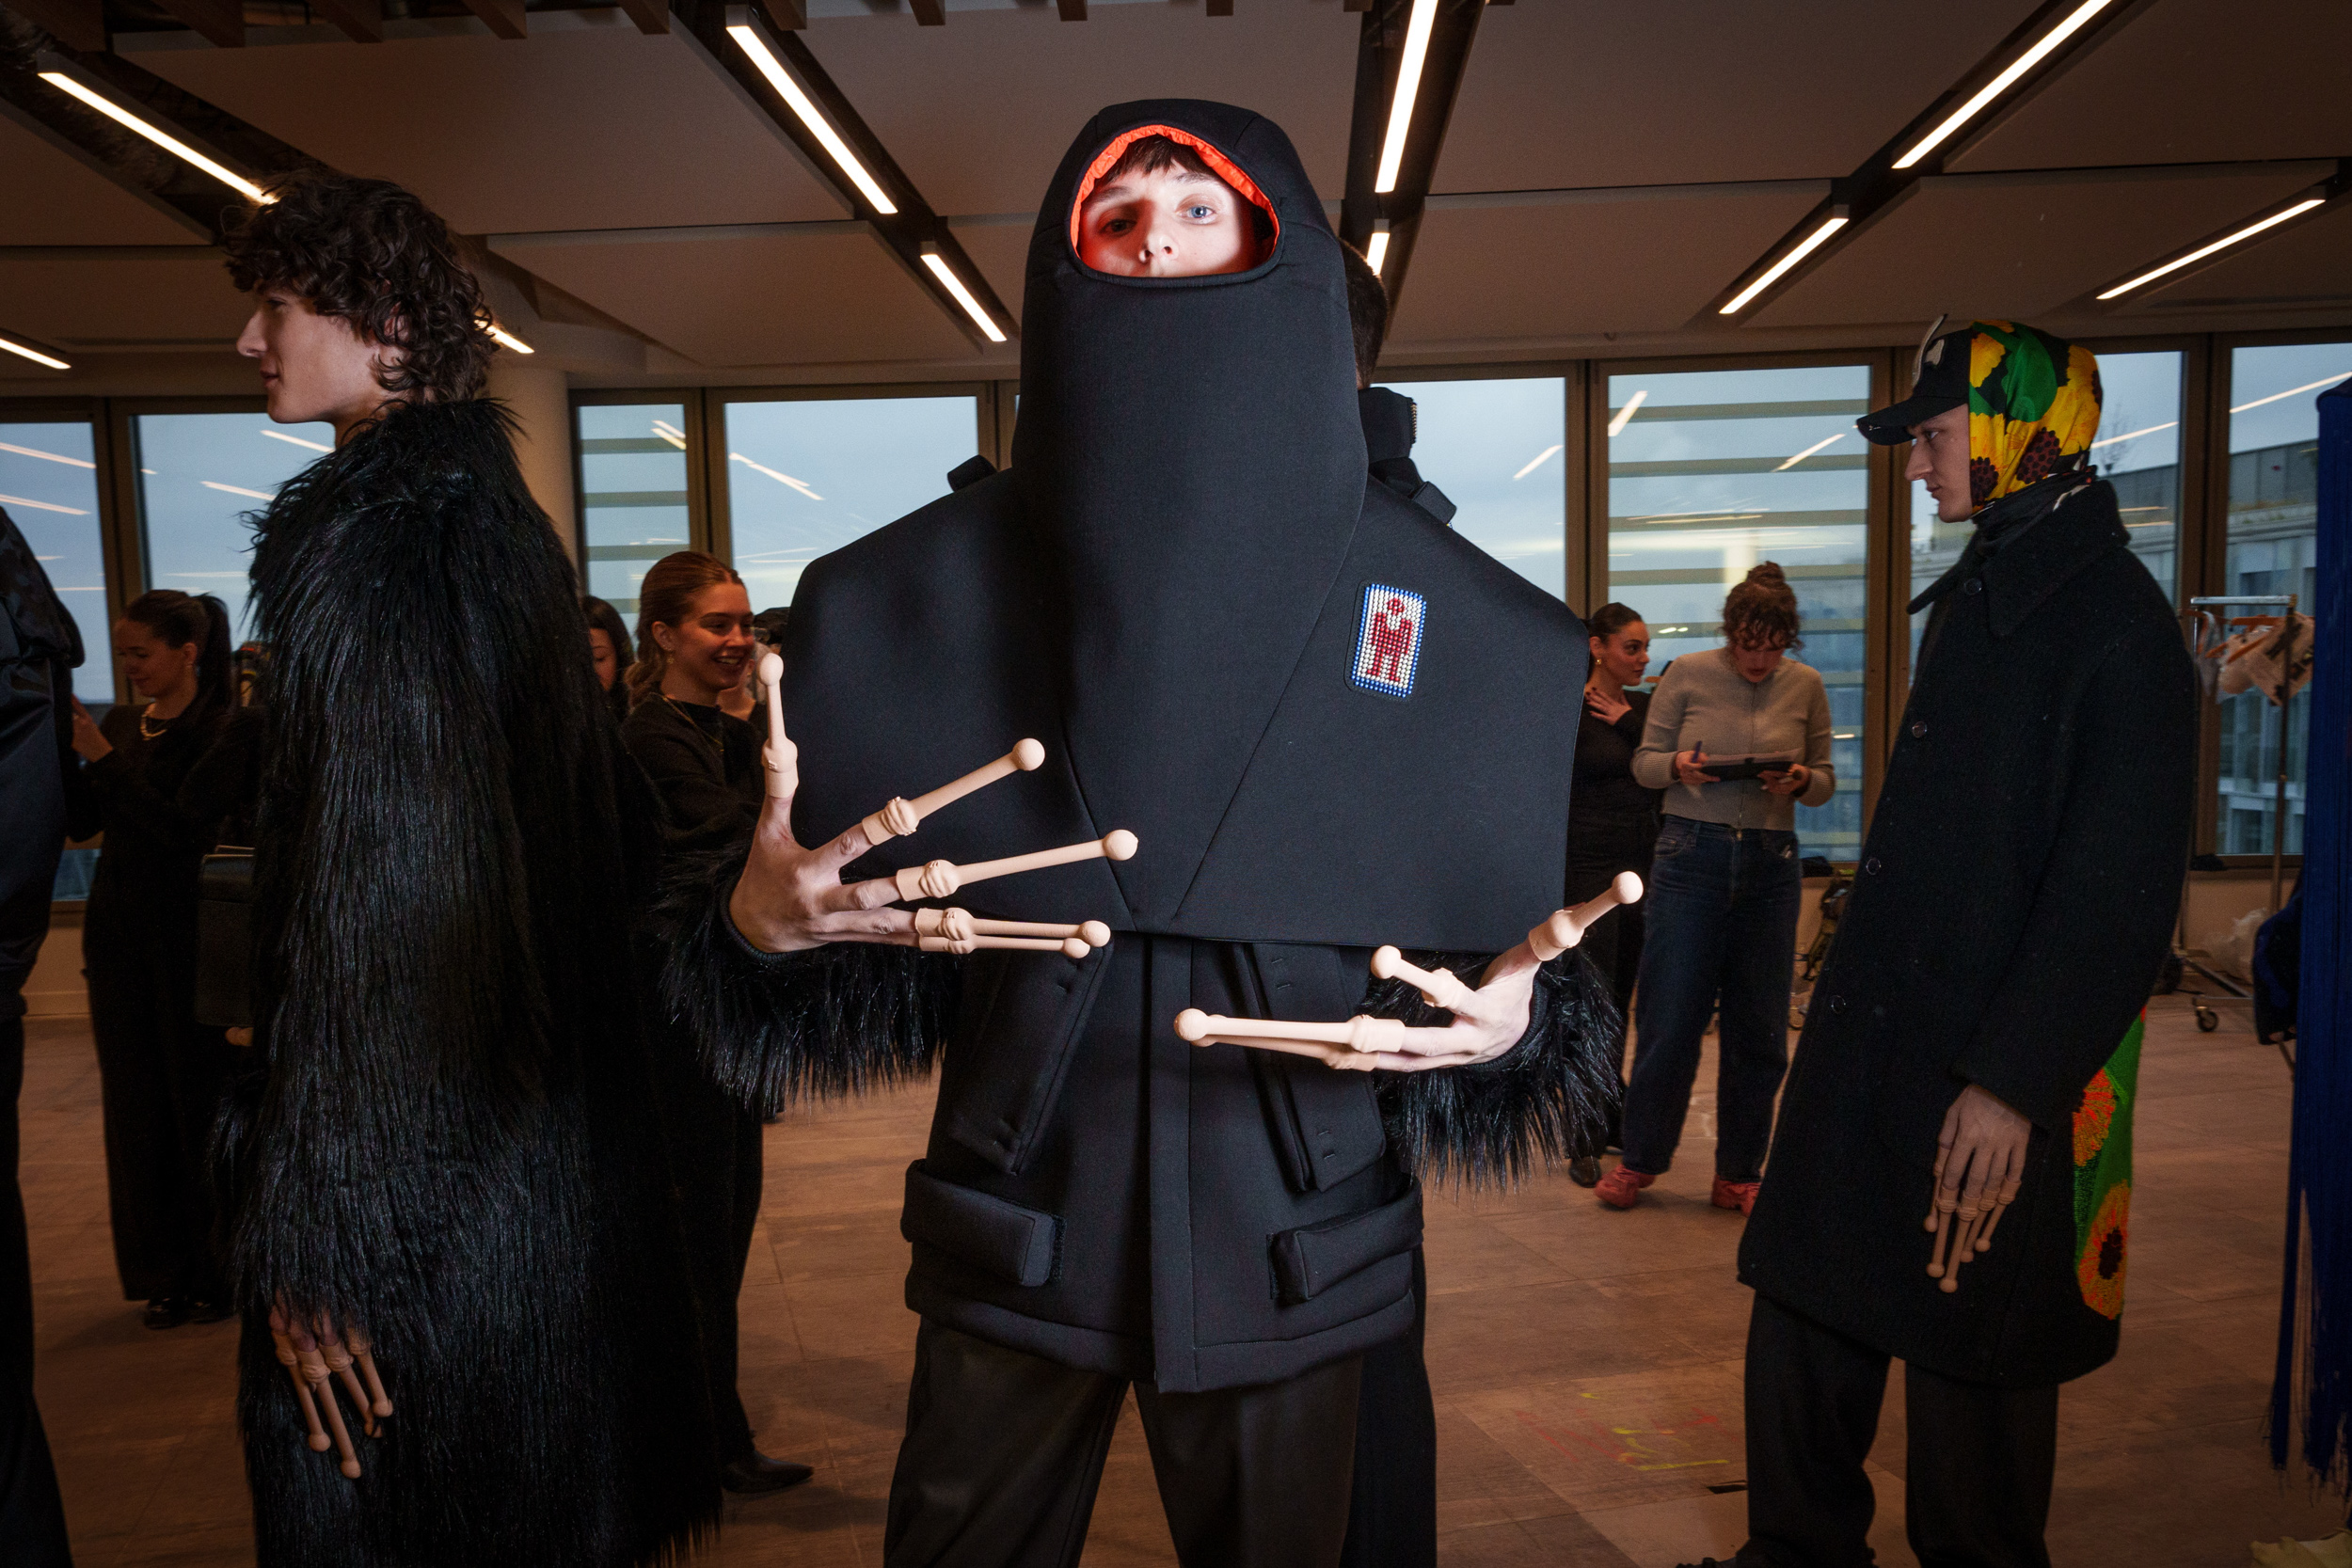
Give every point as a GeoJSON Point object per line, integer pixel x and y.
{"type": "Point", "coordinates": [2144, 430]}
{"type": "Point", "coordinates": [747, 38]}
{"type": "Point", "coordinates": [35, 355]}
{"type": "Point", "coordinates": [1407, 89]}
{"type": "Point", "coordinates": [1625, 415]}
{"type": "Point", "coordinates": [1536, 461]}
{"type": "Point", "coordinates": [1809, 451]}
{"type": "Point", "coordinates": [169, 143]}
{"type": "Point", "coordinates": [2005, 80]}
{"type": "Point", "coordinates": [42, 506]}
{"type": "Point", "coordinates": [779, 478]}
{"type": "Point", "coordinates": [670, 433]}
{"type": "Point", "coordinates": [1377, 249]}
{"type": "Point", "coordinates": [1773, 274]}
{"type": "Point", "coordinates": [2226, 240]}
{"type": "Point", "coordinates": [2292, 392]}
{"type": "Point", "coordinates": [47, 456]}
{"type": "Point", "coordinates": [297, 440]}
{"type": "Point", "coordinates": [954, 285]}
{"type": "Point", "coordinates": [507, 340]}
{"type": "Point", "coordinates": [234, 490]}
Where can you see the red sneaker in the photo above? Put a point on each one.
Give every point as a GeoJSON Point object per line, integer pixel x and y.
{"type": "Point", "coordinates": [1622, 1188]}
{"type": "Point", "coordinates": [1736, 1195]}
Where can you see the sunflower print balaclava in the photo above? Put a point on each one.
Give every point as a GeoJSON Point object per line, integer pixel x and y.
{"type": "Point", "coordinates": [2033, 407]}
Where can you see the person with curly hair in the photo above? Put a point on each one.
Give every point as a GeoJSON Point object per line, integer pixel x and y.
{"type": "Point", "coordinates": [443, 1177]}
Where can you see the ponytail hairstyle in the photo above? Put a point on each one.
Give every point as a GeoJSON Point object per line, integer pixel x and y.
{"type": "Point", "coordinates": [177, 620]}
{"type": "Point", "coordinates": [667, 595]}
{"type": "Point", "coordinates": [1762, 610]}
{"type": "Point", "coordinates": [1610, 619]}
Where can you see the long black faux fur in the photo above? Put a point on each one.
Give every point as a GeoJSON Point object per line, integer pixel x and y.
{"type": "Point", "coordinates": [450, 1140]}
{"type": "Point", "coordinates": [779, 1029]}
{"type": "Point", "coordinates": [1546, 1099]}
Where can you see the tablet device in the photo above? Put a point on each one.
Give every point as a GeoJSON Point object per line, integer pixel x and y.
{"type": "Point", "coordinates": [1749, 767]}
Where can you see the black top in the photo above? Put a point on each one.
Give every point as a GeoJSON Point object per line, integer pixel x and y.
{"type": "Point", "coordinates": [38, 649]}
{"type": "Point", "coordinates": [163, 803]}
{"type": "Point", "coordinates": [704, 763]}
{"type": "Point", "coordinates": [1611, 808]}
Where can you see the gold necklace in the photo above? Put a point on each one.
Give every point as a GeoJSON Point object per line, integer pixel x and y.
{"type": "Point", "coordinates": [695, 725]}
{"type": "Point", "coordinates": [161, 725]}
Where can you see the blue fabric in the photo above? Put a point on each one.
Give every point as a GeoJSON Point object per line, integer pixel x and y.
{"type": "Point", "coordinates": [1721, 937]}
{"type": "Point", "coordinates": [2314, 1386]}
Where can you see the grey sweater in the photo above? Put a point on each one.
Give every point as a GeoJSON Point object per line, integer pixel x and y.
{"type": "Point", "coordinates": [1703, 702]}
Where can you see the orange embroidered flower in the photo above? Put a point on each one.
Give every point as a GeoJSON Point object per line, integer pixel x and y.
{"type": "Point", "coordinates": [2100, 1268]}
{"type": "Point", "coordinates": [2093, 1118]}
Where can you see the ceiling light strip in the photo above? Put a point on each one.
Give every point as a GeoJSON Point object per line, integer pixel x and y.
{"type": "Point", "coordinates": [954, 285]}
{"type": "Point", "coordinates": [1809, 451]}
{"type": "Point", "coordinates": [1624, 415]}
{"type": "Point", "coordinates": [1376, 251]}
{"type": "Point", "coordinates": [34, 354]}
{"type": "Point", "coordinates": [162, 138]}
{"type": "Point", "coordinates": [47, 456]}
{"type": "Point", "coordinates": [507, 340]}
{"type": "Point", "coordinates": [2223, 244]}
{"type": "Point", "coordinates": [2292, 391]}
{"type": "Point", "coordinates": [1773, 274]}
{"type": "Point", "coordinates": [1407, 89]}
{"type": "Point", "coordinates": [2075, 22]}
{"type": "Point", "coordinates": [747, 38]}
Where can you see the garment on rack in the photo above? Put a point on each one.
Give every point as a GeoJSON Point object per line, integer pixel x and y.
{"type": "Point", "coordinates": [2274, 659]}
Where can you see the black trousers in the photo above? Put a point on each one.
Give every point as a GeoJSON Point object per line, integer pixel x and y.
{"type": "Point", "coordinates": [1978, 1469]}
{"type": "Point", "coordinates": [1392, 1517]}
{"type": "Point", "coordinates": [32, 1515]}
{"type": "Point", "coordinates": [161, 1078]}
{"type": "Point", "coordinates": [1004, 1452]}
{"type": "Point", "coordinates": [1613, 944]}
{"type": "Point", "coordinates": [716, 1156]}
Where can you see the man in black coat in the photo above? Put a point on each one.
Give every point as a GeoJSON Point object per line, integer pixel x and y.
{"type": "Point", "coordinates": [1302, 698]}
{"type": "Point", "coordinates": [40, 647]}
{"type": "Point", "coordinates": [1950, 1176]}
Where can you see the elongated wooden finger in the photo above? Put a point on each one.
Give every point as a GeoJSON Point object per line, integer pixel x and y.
{"type": "Point", "coordinates": [363, 1354]}
{"type": "Point", "coordinates": [1935, 1184]}
{"type": "Point", "coordinates": [1329, 1056]}
{"type": "Point", "coordinates": [1942, 1222]}
{"type": "Point", "coordinates": [333, 1410]}
{"type": "Point", "coordinates": [1442, 987]}
{"type": "Point", "coordinates": [1092, 932]}
{"type": "Point", "coordinates": [338, 1361]}
{"type": "Point", "coordinates": [1566, 928]}
{"type": "Point", "coordinates": [1069, 947]}
{"type": "Point", "coordinates": [1359, 1033]}
{"type": "Point", "coordinates": [902, 816]}
{"type": "Point", "coordinates": [779, 759]}
{"type": "Point", "coordinates": [2007, 1195]}
{"type": "Point", "coordinates": [940, 879]}
{"type": "Point", "coordinates": [283, 1343]}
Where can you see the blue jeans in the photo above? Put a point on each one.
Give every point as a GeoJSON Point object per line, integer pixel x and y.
{"type": "Point", "coordinates": [1722, 938]}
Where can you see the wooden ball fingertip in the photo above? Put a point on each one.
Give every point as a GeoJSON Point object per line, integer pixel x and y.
{"type": "Point", "coordinates": [1384, 962]}
{"type": "Point", "coordinates": [1095, 934]}
{"type": "Point", "coordinates": [1627, 888]}
{"type": "Point", "coordinates": [1028, 755]}
{"type": "Point", "coordinates": [1192, 1026]}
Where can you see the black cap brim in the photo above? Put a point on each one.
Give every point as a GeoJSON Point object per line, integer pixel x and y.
{"type": "Point", "coordinates": [1891, 426]}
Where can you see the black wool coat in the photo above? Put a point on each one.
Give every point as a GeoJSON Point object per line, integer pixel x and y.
{"type": "Point", "coordinates": [448, 1144]}
{"type": "Point", "coordinates": [2013, 903]}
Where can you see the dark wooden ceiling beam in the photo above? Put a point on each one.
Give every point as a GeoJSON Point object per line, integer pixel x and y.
{"type": "Point", "coordinates": [1072, 10]}
{"type": "Point", "coordinates": [1379, 59]}
{"type": "Point", "coordinates": [931, 13]}
{"type": "Point", "coordinates": [75, 24]}
{"type": "Point", "coordinates": [504, 17]}
{"type": "Point", "coordinates": [651, 16]}
{"type": "Point", "coordinates": [361, 21]}
{"type": "Point", "coordinates": [220, 22]}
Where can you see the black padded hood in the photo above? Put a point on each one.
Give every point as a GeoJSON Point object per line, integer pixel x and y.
{"type": "Point", "coordinates": [1327, 718]}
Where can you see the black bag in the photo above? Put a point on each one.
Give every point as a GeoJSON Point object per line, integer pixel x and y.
{"type": "Point", "coordinates": [224, 940]}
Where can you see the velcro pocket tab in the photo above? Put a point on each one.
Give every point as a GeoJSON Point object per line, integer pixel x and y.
{"type": "Point", "coordinates": [998, 1238]}
{"type": "Point", "coordinates": [1311, 1261]}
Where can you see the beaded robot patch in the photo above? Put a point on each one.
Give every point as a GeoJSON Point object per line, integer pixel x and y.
{"type": "Point", "coordinates": [1388, 639]}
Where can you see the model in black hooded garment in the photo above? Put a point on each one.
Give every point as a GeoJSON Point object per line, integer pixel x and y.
{"type": "Point", "coordinates": [1309, 705]}
{"type": "Point", "coordinates": [442, 1143]}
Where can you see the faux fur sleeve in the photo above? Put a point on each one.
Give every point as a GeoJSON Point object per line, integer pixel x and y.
{"type": "Point", "coordinates": [777, 1029]}
{"type": "Point", "coordinates": [1544, 1100]}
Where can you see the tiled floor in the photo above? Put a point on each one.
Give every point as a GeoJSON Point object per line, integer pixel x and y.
{"type": "Point", "coordinates": [1587, 1362]}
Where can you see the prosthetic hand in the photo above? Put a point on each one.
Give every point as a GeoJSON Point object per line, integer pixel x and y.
{"type": "Point", "coordinates": [316, 1357]}
{"type": "Point", "coordinates": [1979, 1165]}
{"type": "Point", "coordinates": [790, 898]}
{"type": "Point", "coordinates": [1487, 1021]}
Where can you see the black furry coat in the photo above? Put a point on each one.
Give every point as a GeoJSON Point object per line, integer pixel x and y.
{"type": "Point", "coordinates": [446, 1140]}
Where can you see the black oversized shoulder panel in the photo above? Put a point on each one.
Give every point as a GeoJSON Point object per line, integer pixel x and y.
{"type": "Point", "coordinates": [1436, 819]}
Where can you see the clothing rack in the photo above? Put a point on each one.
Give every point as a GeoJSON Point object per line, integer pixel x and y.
{"type": "Point", "coordinates": [2286, 603]}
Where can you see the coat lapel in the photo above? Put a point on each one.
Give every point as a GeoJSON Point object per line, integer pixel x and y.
{"type": "Point", "coordinates": [2048, 555]}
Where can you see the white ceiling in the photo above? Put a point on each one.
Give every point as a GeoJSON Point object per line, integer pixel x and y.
{"type": "Point", "coordinates": [50, 196]}
{"type": "Point", "coordinates": [138, 301]}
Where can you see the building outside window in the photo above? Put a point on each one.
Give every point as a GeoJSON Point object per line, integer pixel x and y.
{"type": "Point", "coordinates": [2274, 473]}
{"type": "Point", "coordinates": [1496, 448]}
{"type": "Point", "coordinates": [201, 476]}
{"type": "Point", "coordinates": [1712, 472]}
{"type": "Point", "coordinates": [804, 477]}
{"type": "Point", "coordinates": [633, 497]}
{"type": "Point", "coordinates": [49, 487]}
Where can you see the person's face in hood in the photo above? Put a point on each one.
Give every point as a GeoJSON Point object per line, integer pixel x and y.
{"type": "Point", "coordinates": [1939, 458]}
{"type": "Point", "coordinates": [1170, 222]}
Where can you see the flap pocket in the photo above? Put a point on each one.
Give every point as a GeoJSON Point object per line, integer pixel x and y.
{"type": "Point", "coordinates": [1326, 1123]}
{"type": "Point", "coordinates": [1022, 1015]}
{"type": "Point", "coordinates": [1311, 1261]}
{"type": "Point", "coordinates": [992, 1235]}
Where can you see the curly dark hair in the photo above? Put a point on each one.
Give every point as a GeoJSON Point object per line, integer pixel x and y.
{"type": "Point", "coordinates": [372, 253]}
{"type": "Point", "coordinates": [1761, 610]}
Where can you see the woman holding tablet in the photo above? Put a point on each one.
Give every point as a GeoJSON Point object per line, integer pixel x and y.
{"type": "Point", "coordinates": [1738, 737]}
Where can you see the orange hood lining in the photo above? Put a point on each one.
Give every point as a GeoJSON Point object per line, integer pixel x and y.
{"type": "Point", "coordinates": [1224, 167]}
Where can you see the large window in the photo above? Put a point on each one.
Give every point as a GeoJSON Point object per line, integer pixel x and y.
{"type": "Point", "coordinates": [804, 477]}
{"type": "Point", "coordinates": [2138, 450]}
{"type": "Point", "coordinates": [633, 500]}
{"type": "Point", "coordinates": [2274, 473]}
{"type": "Point", "coordinates": [1712, 472]}
{"type": "Point", "coordinates": [48, 484]}
{"type": "Point", "coordinates": [200, 479]}
{"type": "Point", "coordinates": [1495, 449]}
